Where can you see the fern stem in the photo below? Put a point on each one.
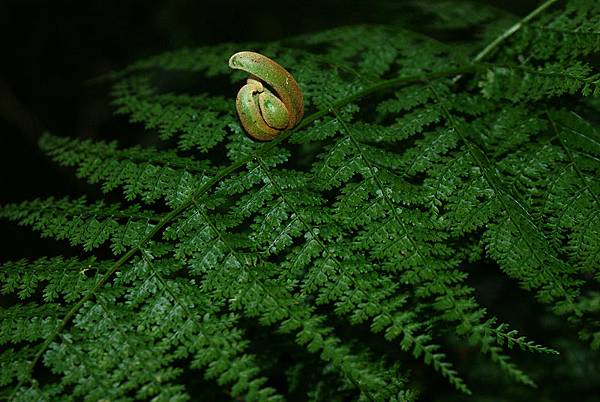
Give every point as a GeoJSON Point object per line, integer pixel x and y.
{"type": "Point", "coordinates": [197, 196]}
{"type": "Point", "coordinates": [511, 31]}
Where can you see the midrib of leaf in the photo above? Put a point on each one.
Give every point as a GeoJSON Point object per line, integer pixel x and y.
{"type": "Point", "coordinates": [308, 227]}
{"type": "Point", "coordinates": [507, 200]}
{"type": "Point", "coordinates": [147, 257]}
{"type": "Point", "coordinates": [326, 251]}
{"type": "Point", "coordinates": [554, 74]}
{"type": "Point", "coordinates": [260, 284]}
{"type": "Point", "coordinates": [436, 357]}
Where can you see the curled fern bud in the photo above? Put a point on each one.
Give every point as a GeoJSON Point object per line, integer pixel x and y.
{"type": "Point", "coordinates": [265, 114]}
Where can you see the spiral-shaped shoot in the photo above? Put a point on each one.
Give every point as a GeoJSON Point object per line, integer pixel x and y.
{"type": "Point", "coordinates": [271, 101]}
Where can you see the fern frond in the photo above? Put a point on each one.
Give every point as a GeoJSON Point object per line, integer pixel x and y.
{"type": "Point", "coordinates": [563, 34]}
{"type": "Point", "coordinates": [87, 225]}
{"type": "Point", "coordinates": [552, 79]}
{"type": "Point", "coordinates": [325, 264]}
{"type": "Point", "coordinates": [199, 122]}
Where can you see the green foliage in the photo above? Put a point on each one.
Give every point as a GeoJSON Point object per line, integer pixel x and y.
{"type": "Point", "coordinates": [326, 264]}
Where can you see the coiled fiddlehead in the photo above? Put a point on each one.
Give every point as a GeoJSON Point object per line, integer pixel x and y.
{"type": "Point", "coordinates": [264, 114]}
